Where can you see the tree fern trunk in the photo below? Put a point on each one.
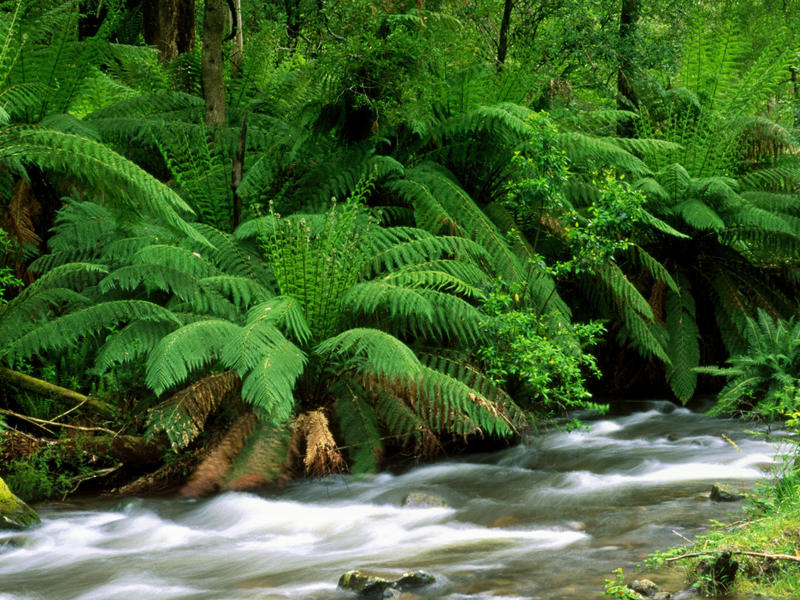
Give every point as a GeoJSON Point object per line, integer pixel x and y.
{"type": "Point", "coordinates": [213, 77]}
{"type": "Point", "coordinates": [626, 96]}
{"type": "Point", "coordinates": [169, 26]}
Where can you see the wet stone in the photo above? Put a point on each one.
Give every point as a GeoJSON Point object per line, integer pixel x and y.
{"type": "Point", "coordinates": [372, 586]}
{"type": "Point", "coordinates": [724, 493]}
{"type": "Point", "coordinates": [645, 587]}
{"type": "Point", "coordinates": [662, 596]}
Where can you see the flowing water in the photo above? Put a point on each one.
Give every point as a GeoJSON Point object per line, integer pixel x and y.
{"type": "Point", "coordinates": [547, 519]}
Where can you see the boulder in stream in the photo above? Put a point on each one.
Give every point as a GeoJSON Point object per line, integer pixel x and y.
{"type": "Point", "coordinates": [373, 586]}
{"type": "Point", "coordinates": [724, 493]}
{"type": "Point", "coordinates": [14, 513]}
{"type": "Point", "coordinates": [644, 587]}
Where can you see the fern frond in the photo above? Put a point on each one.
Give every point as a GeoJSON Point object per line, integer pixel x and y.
{"type": "Point", "coordinates": [211, 473]}
{"type": "Point", "coordinates": [269, 384]}
{"type": "Point", "coordinates": [287, 313]}
{"type": "Point", "coordinates": [372, 351]}
{"type": "Point", "coordinates": [263, 459]}
{"type": "Point", "coordinates": [183, 416]}
{"type": "Point", "coordinates": [187, 348]}
{"type": "Point", "coordinates": [64, 331]}
{"type": "Point", "coordinates": [131, 343]}
{"type": "Point", "coordinates": [683, 346]}
{"type": "Point", "coordinates": [101, 168]}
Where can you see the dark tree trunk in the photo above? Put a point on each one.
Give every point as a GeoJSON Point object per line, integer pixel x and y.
{"type": "Point", "coordinates": [293, 22]}
{"type": "Point", "coordinates": [169, 26]}
{"type": "Point", "coordinates": [213, 78]}
{"type": "Point", "coordinates": [502, 42]}
{"type": "Point", "coordinates": [236, 176]}
{"type": "Point", "coordinates": [626, 96]}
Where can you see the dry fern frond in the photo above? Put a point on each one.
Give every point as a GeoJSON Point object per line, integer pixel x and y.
{"type": "Point", "coordinates": [20, 212]}
{"type": "Point", "coordinates": [183, 416]}
{"type": "Point", "coordinates": [211, 473]}
{"type": "Point", "coordinates": [263, 459]}
{"type": "Point", "coordinates": [313, 441]}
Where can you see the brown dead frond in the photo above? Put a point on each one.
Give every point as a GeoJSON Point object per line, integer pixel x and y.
{"type": "Point", "coordinates": [183, 416]}
{"type": "Point", "coordinates": [210, 475]}
{"type": "Point", "coordinates": [313, 441]}
{"type": "Point", "coordinates": [20, 212]}
{"type": "Point", "coordinates": [264, 459]}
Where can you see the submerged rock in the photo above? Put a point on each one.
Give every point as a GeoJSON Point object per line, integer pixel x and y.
{"type": "Point", "coordinates": [14, 513]}
{"type": "Point", "coordinates": [373, 586]}
{"type": "Point", "coordinates": [422, 500]}
{"type": "Point", "coordinates": [724, 493]}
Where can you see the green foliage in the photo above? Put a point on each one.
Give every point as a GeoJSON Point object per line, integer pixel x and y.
{"type": "Point", "coordinates": [543, 353]}
{"type": "Point", "coordinates": [8, 280]}
{"type": "Point", "coordinates": [617, 589]}
{"type": "Point", "coordinates": [764, 381]}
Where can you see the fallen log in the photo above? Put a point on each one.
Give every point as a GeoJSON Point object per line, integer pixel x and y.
{"type": "Point", "coordinates": [767, 555]}
{"type": "Point", "coordinates": [46, 388]}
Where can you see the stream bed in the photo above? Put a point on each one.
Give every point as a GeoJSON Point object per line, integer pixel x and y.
{"type": "Point", "coordinates": [547, 519]}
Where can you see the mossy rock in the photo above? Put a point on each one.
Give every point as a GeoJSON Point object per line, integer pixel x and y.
{"type": "Point", "coordinates": [14, 513]}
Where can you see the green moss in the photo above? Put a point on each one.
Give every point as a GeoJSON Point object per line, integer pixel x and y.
{"type": "Point", "coordinates": [14, 513]}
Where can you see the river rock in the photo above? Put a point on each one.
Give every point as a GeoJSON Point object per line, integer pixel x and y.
{"type": "Point", "coordinates": [423, 500]}
{"type": "Point", "coordinates": [662, 596]}
{"type": "Point", "coordinates": [14, 513]}
{"type": "Point", "coordinates": [645, 587]}
{"type": "Point", "coordinates": [724, 493]}
{"type": "Point", "coordinates": [365, 584]}
{"type": "Point", "coordinates": [372, 586]}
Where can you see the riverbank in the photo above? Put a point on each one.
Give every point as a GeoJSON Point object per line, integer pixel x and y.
{"type": "Point", "coordinates": [760, 553]}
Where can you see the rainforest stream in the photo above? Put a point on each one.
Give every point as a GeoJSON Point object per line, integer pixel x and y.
{"type": "Point", "coordinates": [547, 519]}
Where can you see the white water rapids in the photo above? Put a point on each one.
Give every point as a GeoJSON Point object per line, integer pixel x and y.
{"type": "Point", "coordinates": [547, 519]}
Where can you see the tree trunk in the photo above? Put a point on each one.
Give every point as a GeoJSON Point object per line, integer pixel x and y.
{"type": "Point", "coordinates": [502, 42]}
{"type": "Point", "coordinates": [48, 389]}
{"type": "Point", "coordinates": [236, 176]}
{"type": "Point", "coordinates": [238, 38]}
{"type": "Point", "coordinates": [169, 26]}
{"type": "Point", "coordinates": [626, 96]}
{"type": "Point", "coordinates": [213, 77]}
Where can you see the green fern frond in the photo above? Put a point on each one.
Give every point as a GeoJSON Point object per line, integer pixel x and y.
{"type": "Point", "coordinates": [699, 215]}
{"type": "Point", "coordinates": [245, 348]}
{"type": "Point", "coordinates": [133, 342]}
{"type": "Point", "coordinates": [372, 351]}
{"type": "Point", "coordinates": [655, 268]}
{"type": "Point", "coordinates": [64, 331]}
{"type": "Point", "coordinates": [187, 348]}
{"type": "Point", "coordinates": [286, 312]}
{"type": "Point", "coordinates": [101, 168]}
{"type": "Point", "coordinates": [269, 385]}
{"type": "Point", "coordinates": [683, 347]}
